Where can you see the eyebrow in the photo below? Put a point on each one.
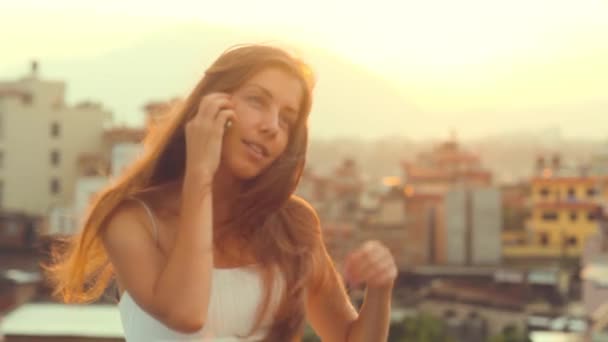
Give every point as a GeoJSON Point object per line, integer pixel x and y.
{"type": "Point", "coordinates": [269, 94]}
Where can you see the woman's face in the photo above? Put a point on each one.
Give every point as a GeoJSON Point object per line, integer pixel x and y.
{"type": "Point", "coordinates": [267, 108]}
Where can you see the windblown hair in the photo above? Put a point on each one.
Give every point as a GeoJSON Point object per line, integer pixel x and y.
{"type": "Point", "coordinates": [282, 229]}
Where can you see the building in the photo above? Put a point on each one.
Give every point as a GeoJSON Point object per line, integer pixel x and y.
{"type": "Point", "coordinates": [157, 111]}
{"type": "Point", "coordinates": [120, 147]}
{"type": "Point", "coordinates": [387, 222]}
{"type": "Point", "coordinates": [427, 181]}
{"type": "Point", "coordinates": [564, 213]}
{"type": "Point", "coordinates": [446, 165]}
{"type": "Point", "coordinates": [335, 196]}
{"type": "Point", "coordinates": [41, 140]}
{"type": "Point", "coordinates": [598, 166]}
{"type": "Point", "coordinates": [488, 308]}
{"type": "Point", "coordinates": [18, 230]}
{"type": "Point", "coordinates": [351, 214]}
{"type": "Point", "coordinates": [550, 164]}
{"type": "Point", "coordinates": [594, 276]}
{"type": "Point", "coordinates": [473, 225]}
{"type": "Point", "coordinates": [515, 206]}
{"type": "Point", "coordinates": [426, 239]}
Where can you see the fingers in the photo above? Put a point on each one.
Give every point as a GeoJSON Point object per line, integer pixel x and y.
{"type": "Point", "coordinates": [204, 135]}
{"type": "Point", "coordinates": [372, 264]}
{"type": "Point", "coordinates": [223, 117]}
{"type": "Point", "coordinates": [367, 270]}
{"type": "Point", "coordinates": [364, 252]}
{"type": "Point", "coordinates": [385, 274]}
{"type": "Point", "coordinates": [208, 114]}
{"type": "Point", "coordinates": [211, 104]}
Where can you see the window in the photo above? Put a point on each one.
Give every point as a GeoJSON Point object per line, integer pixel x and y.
{"type": "Point", "coordinates": [55, 158]}
{"type": "Point", "coordinates": [544, 239]}
{"type": "Point", "coordinates": [573, 216]}
{"type": "Point", "coordinates": [591, 192]}
{"type": "Point", "coordinates": [571, 194]}
{"type": "Point", "coordinates": [11, 228]}
{"type": "Point", "coordinates": [55, 129]}
{"type": "Point", "coordinates": [55, 186]}
{"type": "Point", "coordinates": [591, 216]}
{"type": "Point", "coordinates": [544, 192]}
{"type": "Point", "coordinates": [550, 216]}
{"type": "Point", "coordinates": [571, 241]}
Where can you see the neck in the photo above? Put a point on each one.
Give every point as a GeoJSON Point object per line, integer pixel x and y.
{"type": "Point", "coordinates": [225, 189]}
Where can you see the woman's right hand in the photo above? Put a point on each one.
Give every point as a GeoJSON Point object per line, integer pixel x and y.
{"type": "Point", "coordinates": [204, 135]}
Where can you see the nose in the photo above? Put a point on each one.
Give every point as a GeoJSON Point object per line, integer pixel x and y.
{"type": "Point", "coordinates": [269, 123]}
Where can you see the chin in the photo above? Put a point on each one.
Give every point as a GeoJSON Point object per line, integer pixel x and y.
{"type": "Point", "coordinates": [245, 175]}
{"type": "Point", "coordinates": [244, 171]}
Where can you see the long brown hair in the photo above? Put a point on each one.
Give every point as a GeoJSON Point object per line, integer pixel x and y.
{"type": "Point", "coordinates": [283, 230]}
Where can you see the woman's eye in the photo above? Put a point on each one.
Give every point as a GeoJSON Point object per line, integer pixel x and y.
{"type": "Point", "coordinates": [287, 121]}
{"type": "Point", "coordinates": [257, 100]}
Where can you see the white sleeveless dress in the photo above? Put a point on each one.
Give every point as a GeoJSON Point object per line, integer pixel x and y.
{"type": "Point", "coordinates": [236, 294]}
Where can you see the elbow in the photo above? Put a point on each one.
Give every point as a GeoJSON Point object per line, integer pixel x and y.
{"type": "Point", "coordinates": [188, 326]}
{"type": "Point", "coordinates": [185, 322]}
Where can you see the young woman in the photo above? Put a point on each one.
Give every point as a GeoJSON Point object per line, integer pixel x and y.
{"type": "Point", "coordinates": [203, 234]}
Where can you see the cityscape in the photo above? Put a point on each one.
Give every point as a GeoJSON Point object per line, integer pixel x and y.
{"type": "Point", "coordinates": [482, 256]}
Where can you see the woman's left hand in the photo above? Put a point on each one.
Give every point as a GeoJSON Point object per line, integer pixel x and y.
{"type": "Point", "coordinates": [371, 264]}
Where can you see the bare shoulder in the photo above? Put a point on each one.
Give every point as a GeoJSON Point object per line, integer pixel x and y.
{"type": "Point", "coordinates": [126, 221]}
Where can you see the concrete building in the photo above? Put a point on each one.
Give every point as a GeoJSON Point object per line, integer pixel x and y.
{"type": "Point", "coordinates": [473, 221]}
{"type": "Point", "coordinates": [41, 139]}
{"type": "Point", "coordinates": [120, 147]}
{"type": "Point", "coordinates": [425, 240]}
{"type": "Point", "coordinates": [427, 180]}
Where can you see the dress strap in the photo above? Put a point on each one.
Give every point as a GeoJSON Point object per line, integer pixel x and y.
{"type": "Point", "coordinates": [150, 215]}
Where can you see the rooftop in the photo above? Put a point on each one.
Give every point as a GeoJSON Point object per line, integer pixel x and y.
{"type": "Point", "coordinates": [63, 320]}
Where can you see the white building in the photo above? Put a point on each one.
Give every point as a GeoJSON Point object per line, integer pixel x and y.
{"type": "Point", "coordinates": [41, 139]}
{"type": "Point", "coordinates": [65, 220]}
{"type": "Point", "coordinates": [123, 154]}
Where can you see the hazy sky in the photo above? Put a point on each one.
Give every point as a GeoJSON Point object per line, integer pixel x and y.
{"type": "Point", "coordinates": [465, 56]}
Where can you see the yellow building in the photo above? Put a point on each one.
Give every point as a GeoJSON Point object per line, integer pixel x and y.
{"type": "Point", "coordinates": [564, 213]}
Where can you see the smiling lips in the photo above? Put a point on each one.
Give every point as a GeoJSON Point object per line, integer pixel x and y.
{"type": "Point", "coordinates": [257, 149]}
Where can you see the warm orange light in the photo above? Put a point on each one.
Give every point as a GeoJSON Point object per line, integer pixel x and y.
{"type": "Point", "coordinates": [409, 190]}
{"type": "Point", "coordinates": [547, 173]}
{"type": "Point", "coordinates": [391, 181]}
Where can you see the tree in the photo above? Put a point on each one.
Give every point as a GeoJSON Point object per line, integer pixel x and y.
{"type": "Point", "coordinates": [510, 334]}
{"type": "Point", "coordinates": [422, 328]}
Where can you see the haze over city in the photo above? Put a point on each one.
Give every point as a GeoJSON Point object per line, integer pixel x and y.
{"type": "Point", "coordinates": [415, 69]}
